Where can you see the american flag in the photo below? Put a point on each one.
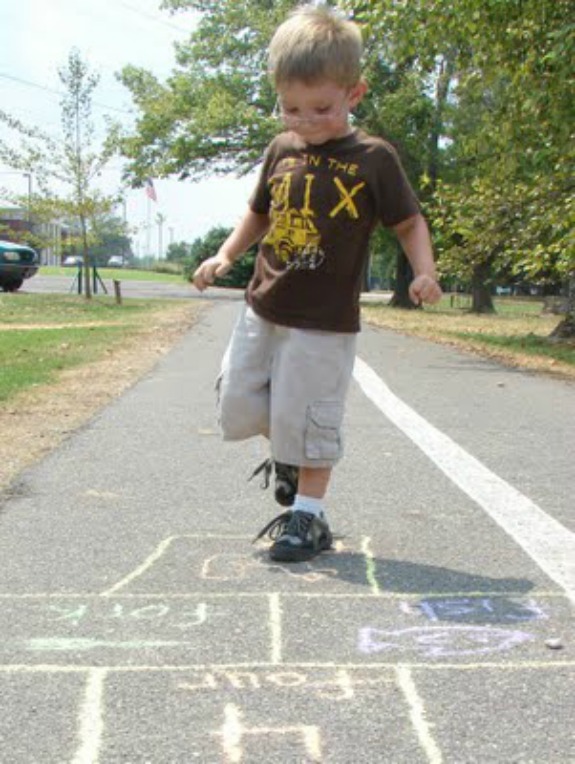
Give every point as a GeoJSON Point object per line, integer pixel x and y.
{"type": "Point", "coordinates": [150, 190]}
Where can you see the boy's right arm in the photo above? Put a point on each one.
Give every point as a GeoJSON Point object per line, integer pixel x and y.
{"type": "Point", "coordinates": [250, 229]}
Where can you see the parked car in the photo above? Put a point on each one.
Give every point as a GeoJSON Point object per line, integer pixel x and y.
{"type": "Point", "coordinates": [17, 262]}
{"type": "Point", "coordinates": [116, 261]}
{"type": "Point", "coordinates": [73, 261]}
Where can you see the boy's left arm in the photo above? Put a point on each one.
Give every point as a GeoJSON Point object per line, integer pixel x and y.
{"type": "Point", "coordinates": [415, 240]}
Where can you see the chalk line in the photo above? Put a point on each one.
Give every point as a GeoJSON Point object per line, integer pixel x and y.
{"type": "Point", "coordinates": [417, 715]}
{"type": "Point", "coordinates": [544, 539]}
{"type": "Point", "coordinates": [275, 628]}
{"type": "Point", "coordinates": [148, 562]}
{"type": "Point", "coordinates": [504, 666]}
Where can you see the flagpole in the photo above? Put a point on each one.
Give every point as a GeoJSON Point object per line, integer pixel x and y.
{"type": "Point", "coordinates": [148, 225]}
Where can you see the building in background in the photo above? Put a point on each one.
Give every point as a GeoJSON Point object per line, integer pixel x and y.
{"type": "Point", "coordinates": [48, 238]}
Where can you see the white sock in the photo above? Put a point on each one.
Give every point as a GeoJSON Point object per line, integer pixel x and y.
{"type": "Point", "coordinates": [309, 504]}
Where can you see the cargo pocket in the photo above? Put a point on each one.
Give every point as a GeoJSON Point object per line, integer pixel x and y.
{"type": "Point", "coordinates": [322, 436]}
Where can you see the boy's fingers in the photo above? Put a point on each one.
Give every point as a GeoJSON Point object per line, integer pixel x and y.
{"type": "Point", "coordinates": [202, 278]}
{"type": "Point", "coordinates": [428, 291]}
{"type": "Point", "coordinates": [414, 294]}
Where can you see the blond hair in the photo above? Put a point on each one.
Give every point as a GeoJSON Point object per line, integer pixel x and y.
{"type": "Point", "coordinates": [315, 44]}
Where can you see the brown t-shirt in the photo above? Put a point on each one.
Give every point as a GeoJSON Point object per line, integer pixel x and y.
{"type": "Point", "coordinates": [323, 203]}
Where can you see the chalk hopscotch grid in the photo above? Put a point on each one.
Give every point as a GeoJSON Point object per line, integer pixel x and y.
{"type": "Point", "coordinates": [91, 725]}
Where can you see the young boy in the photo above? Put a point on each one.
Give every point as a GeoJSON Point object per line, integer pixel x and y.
{"type": "Point", "coordinates": [322, 189]}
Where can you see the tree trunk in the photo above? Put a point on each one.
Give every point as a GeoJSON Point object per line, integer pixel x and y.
{"type": "Point", "coordinates": [481, 301]}
{"type": "Point", "coordinates": [86, 258]}
{"type": "Point", "coordinates": [403, 278]}
{"type": "Point", "coordinates": [442, 86]}
{"type": "Point", "coordinates": [565, 329]}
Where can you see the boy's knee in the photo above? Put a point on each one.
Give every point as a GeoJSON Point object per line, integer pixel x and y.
{"type": "Point", "coordinates": [240, 417]}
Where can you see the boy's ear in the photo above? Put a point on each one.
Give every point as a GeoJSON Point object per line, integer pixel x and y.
{"type": "Point", "coordinates": [357, 93]}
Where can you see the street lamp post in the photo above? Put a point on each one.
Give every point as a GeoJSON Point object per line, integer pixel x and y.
{"type": "Point", "coordinates": [27, 175]}
{"type": "Point", "coordinates": [29, 211]}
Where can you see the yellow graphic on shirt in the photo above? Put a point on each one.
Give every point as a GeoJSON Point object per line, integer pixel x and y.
{"type": "Point", "coordinates": [294, 237]}
{"type": "Point", "coordinates": [292, 234]}
{"type": "Point", "coordinates": [346, 202]}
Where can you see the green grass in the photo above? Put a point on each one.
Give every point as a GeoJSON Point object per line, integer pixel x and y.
{"type": "Point", "coordinates": [504, 306]}
{"type": "Point", "coordinates": [530, 344]}
{"type": "Point", "coordinates": [518, 333]}
{"type": "Point", "coordinates": [60, 309]}
{"type": "Point", "coordinates": [120, 274]}
{"type": "Point", "coordinates": [56, 332]}
{"type": "Point", "coordinates": [31, 358]}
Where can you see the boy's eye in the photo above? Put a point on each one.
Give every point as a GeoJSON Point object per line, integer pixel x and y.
{"type": "Point", "coordinates": [324, 110]}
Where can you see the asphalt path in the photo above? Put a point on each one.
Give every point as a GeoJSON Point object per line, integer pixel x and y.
{"type": "Point", "coordinates": [139, 624]}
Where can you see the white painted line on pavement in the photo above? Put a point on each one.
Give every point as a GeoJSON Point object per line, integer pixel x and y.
{"type": "Point", "coordinates": [544, 539]}
{"type": "Point", "coordinates": [91, 719]}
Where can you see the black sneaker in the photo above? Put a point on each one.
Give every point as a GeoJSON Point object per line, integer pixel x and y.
{"type": "Point", "coordinates": [276, 527]}
{"type": "Point", "coordinates": [285, 483]}
{"type": "Point", "coordinates": [302, 536]}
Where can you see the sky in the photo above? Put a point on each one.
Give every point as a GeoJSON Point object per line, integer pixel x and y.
{"type": "Point", "coordinates": [36, 37]}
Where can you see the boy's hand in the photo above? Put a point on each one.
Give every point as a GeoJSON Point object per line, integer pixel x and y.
{"type": "Point", "coordinates": [424, 289]}
{"type": "Point", "coordinates": [215, 266]}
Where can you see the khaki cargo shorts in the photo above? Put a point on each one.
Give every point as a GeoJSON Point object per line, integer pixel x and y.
{"type": "Point", "coordinates": [286, 384]}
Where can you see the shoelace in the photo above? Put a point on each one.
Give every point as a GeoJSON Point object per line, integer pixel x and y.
{"type": "Point", "coordinates": [276, 527]}
{"type": "Point", "coordinates": [266, 467]}
{"type": "Point", "coordinates": [299, 525]}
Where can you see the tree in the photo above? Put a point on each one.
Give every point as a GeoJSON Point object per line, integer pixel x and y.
{"type": "Point", "coordinates": [65, 169]}
{"type": "Point", "coordinates": [213, 114]}
{"type": "Point", "coordinates": [506, 201]}
{"type": "Point", "coordinates": [111, 238]}
{"type": "Point", "coordinates": [178, 252]}
{"type": "Point", "coordinates": [208, 245]}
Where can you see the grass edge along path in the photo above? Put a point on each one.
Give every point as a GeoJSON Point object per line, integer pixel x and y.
{"type": "Point", "coordinates": [512, 337]}
{"type": "Point", "coordinates": [38, 419]}
{"type": "Point", "coordinates": [43, 335]}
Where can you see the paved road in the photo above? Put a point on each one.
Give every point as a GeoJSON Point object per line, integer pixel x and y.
{"type": "Point", "coordinates": [144, 289]}
{"type": "Point", "coordinates": [138, 624]}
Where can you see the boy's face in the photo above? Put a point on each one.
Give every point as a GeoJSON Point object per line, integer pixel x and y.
{"type": "Point", "coordinates": [318, 112]}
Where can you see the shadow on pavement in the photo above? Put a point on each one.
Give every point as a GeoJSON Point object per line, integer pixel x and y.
{"type": "Point", "coordinates": [445, 594]}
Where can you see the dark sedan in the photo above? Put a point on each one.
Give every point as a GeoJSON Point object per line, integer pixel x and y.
{"type": "Point", "coordinates": [17, 262]}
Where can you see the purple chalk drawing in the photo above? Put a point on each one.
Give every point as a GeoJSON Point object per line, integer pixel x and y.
{"type": "Point", "coordinates": [441, 641]}
{"type": "Point", "coordinates": [454, 608]}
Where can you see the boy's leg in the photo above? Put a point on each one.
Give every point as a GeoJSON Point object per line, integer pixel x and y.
{"type": "Point", "coordinates": [310, 380]}
{"type": "Point", "coordinates": [243, 385]}
{"type": "Point", "coordinates": [304, 533]}
{"type": "Point", "coordinates": [313, 481]}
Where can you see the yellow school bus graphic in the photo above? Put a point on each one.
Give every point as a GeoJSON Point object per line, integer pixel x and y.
{"type": "Point", "coordinates": [295, 240]}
